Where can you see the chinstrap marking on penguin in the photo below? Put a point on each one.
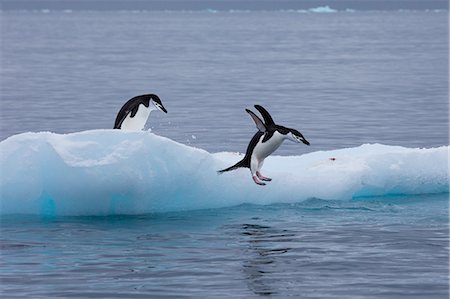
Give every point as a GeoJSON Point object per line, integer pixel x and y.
{"type": "Point", "coordinates": [268, 138]}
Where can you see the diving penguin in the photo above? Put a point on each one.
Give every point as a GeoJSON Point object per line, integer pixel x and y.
{"type": "Point", "coordinates": [134, 113]}
{"type": "Point", "coordinates": [268, 138]}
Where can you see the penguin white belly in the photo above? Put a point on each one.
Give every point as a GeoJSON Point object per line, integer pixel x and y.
{"type": "Point", "coordinates": [263, 150]}
{"type": "Point", "coordinates": [137, 122]}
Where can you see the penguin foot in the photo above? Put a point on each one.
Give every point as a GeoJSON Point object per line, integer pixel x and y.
{"type": "Point", "coordinates": [263, 178]}
{"type": "Point", "coordinates": [255, 179]}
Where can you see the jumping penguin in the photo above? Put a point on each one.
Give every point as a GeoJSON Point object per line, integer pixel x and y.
{"type": "Point", "coordinates": [268, 138]}
{"type": "Point", "coordinates": [134, 113]}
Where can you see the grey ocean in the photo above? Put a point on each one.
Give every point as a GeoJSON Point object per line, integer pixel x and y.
{"type": "Point", "coordinates": [343, 78]}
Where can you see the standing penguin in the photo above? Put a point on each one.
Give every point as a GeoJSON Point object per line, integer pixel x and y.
{"type": "Point", "coordinates": [134, 114]}
{"type": "Point", "coordinates": [268, 138]}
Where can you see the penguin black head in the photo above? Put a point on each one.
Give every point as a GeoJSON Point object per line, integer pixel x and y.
{"type": "Point", "coordinates": [155, 101]}
{"type": "Point", "coordinates": [296, 136]}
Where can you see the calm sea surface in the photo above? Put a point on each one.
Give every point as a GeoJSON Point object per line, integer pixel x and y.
{"type": "Point", "coordinates": [342, 79]}
{"type": "Point", "coordinates": [386, 248]}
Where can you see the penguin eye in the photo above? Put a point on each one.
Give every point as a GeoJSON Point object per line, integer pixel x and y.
{"type": "Point", "coordinates": [295, 136]}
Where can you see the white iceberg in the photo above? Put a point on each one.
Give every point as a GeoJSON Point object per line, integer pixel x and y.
{"type": "Point", "coordinates": [323, 9]}
{"type": "Point", "coordinates": [107, 172]}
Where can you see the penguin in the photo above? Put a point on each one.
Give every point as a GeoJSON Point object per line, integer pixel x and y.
{"type": "Point", "coordinates": [134, 113]}
{"type": "Point", "coordinates": [268, 138]}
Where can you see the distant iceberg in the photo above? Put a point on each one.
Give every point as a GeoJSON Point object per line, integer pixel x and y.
{"type": "Point", "coordinates": [107, 172]}
{"type": "Point", "coordinates": [322, 9]}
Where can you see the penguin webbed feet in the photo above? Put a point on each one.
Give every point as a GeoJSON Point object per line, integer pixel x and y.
{"type": "Point", "coordinates": [263, 178]}
{"type": "Point", "coordinates": [255, 179]}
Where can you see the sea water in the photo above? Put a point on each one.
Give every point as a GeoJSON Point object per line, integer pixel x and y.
{"type": "Point", "coordinates": [344, 78]}
{"type": "Point", "coordinates": [380, 248]}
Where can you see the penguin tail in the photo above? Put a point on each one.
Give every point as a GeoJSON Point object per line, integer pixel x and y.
{"type": "Point", "coordinates": [235, 166]}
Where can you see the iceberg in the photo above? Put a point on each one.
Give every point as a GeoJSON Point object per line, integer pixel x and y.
{"type": "Point", "coordinates": [323, 9]}
{"type": "Point", "coordinates": [110, 172]}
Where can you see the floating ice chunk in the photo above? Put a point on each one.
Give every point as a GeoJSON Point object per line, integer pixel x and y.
{"type": "Point", "coordinates": [322, 9]}
{"type": "Point", "coordinates": [106, 172]}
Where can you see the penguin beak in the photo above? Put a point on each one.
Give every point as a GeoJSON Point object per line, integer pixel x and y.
{"type": "Point", "coordinates": [300, 139]}
{"type": "Point", "coordinates": [161, 107]}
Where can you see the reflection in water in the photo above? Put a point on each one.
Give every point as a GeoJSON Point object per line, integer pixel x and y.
{"type": "Point", "coordinates": [263, 250]}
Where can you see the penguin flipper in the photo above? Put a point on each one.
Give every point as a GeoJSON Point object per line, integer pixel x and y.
{"type": "Point", "coordinates": [259, 124]}
{"type": "Point", "coordinates": [120, 118]}
{"type": "Point", "coordinates": [265, 114]}
{"type": "Point", "coordinates": [133, 110]}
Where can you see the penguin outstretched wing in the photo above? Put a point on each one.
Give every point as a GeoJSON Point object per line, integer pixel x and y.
{"type": "Point", "coordinates": [121, 117]}
{"type": "Point", "coordinates": [266, 116]}
{"type": "Point", "coordinates": [268, 122]}
{"type": "Point", "coordinates": [259, 124]}
{"type": "Point", "coordinates": [129, 108]}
